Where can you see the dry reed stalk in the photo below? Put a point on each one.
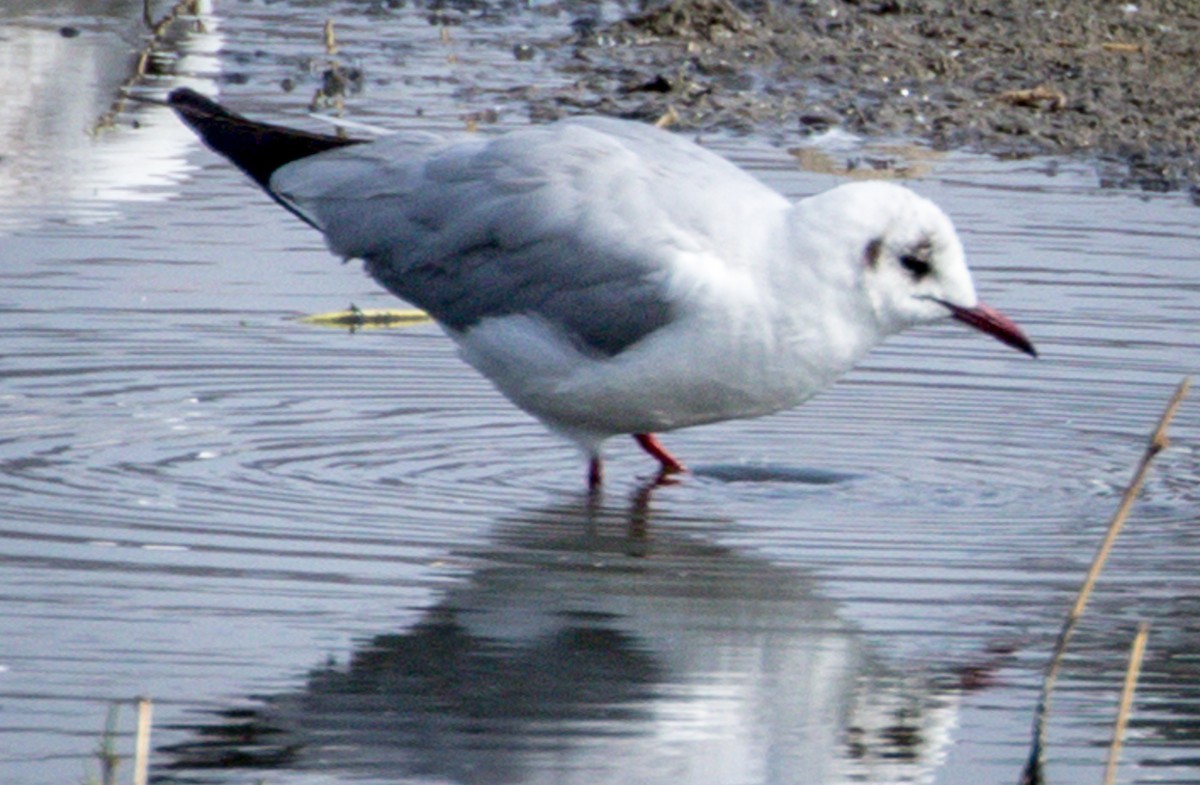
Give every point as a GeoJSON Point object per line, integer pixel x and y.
{"type": "Point", "coordinates": [1032, 774]}
{"type": "Point", "coordinates": [331, 47]}
{"type": "Point", "coordinates": [1136, 652]}
{"type": "Point", "coordinates": [142, 70]}
{"type": "Point", "coordinates": [141, 750]}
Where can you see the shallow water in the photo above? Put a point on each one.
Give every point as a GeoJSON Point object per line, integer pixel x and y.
{"type": "Point", "coordinates": [333, 556]}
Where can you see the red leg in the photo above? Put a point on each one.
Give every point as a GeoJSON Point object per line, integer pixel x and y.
{"type": "Point", "coordinates": [669, 463]}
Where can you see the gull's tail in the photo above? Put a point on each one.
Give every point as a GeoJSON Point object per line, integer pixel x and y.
{"type": "Point", "coordinates": [258, 149]}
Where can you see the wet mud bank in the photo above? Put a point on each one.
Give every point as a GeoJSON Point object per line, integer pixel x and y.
{"type": "Point", "coordinates": [1117, 83]}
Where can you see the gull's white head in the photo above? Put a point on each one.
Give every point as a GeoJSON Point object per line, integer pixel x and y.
{"type": "Point", "coordinates": [907, 259]}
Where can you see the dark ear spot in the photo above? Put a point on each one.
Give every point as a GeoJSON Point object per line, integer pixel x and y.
{"type": "Point", "coordinates": [872, 252]}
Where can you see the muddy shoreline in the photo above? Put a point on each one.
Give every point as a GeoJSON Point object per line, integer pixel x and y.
{"type": "Point", "coordinates": [1115, 83]}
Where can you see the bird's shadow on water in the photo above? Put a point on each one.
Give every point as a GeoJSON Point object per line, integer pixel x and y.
{"type": "Point", "coordinates": [597, 643]}
{"type": "Point", "coordinates": [745, 473]}
{"type": "Point", "coordinates": [768, 472]}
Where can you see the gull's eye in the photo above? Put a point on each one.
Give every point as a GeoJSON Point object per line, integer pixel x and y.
{"type": "Point", "coordinates": [916, 266]}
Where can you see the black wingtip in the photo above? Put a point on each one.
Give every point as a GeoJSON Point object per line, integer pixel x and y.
{"type": "Point", "coordinates": [191, 104]}
{"type": "Point", "coordinates": [258, 149]}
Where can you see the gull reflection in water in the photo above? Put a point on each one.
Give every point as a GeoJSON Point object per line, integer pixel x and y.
{"type": "Point", "coordinates": [591, 647]}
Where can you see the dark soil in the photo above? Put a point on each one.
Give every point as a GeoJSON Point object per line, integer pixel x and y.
{"type": "Point", "coordinates": [1117, 82]}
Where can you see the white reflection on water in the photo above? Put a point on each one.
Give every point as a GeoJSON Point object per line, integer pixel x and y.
{"type": "Point", "coordinates": [57, 158]}
{"type": "Point", "coordinates": [604, 645]}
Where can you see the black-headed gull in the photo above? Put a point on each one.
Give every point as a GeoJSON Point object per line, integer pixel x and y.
{"type": "Point", "coordinates": [610, 277]}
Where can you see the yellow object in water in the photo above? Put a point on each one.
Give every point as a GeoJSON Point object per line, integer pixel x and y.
{"type": "Point", "coordinates": [356, 318]}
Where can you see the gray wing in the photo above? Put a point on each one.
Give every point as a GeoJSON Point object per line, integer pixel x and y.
{"type": "Point", "coordinates": [579, 223]}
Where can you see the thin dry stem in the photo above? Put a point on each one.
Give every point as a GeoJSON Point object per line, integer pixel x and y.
{"type": "Point", "coordinates": [1137, 651]}
{"type": "Point", "coordinates": [141, 754]}
{"type": "Point", "coordinates": [331, 47]}
{"type": "Point", "coordinates": [1158, 442]}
